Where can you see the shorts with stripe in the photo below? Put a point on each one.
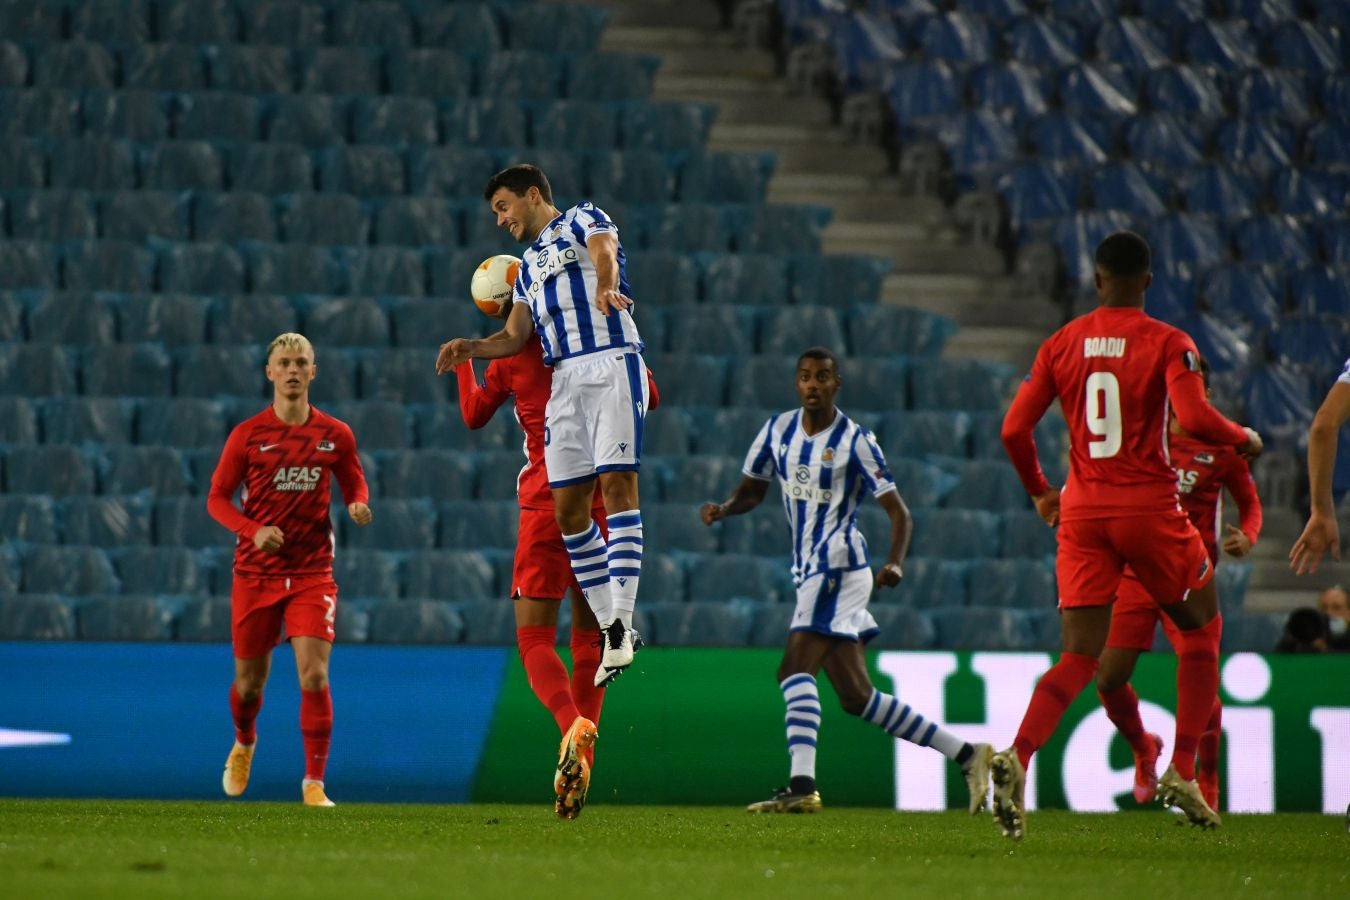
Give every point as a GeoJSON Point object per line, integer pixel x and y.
{"type": "Point", "coordinates": [834, 603]}
{"type": "Point", "coordinates": [594, 418]}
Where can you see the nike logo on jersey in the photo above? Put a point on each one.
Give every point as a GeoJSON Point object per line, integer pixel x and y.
{"type": "Point", "coordinates": [263, 448]}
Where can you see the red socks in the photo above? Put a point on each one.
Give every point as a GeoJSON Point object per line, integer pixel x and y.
{"type": "Point", "coordinates": [1209, 741]}
{"type": "Point", "coordinates": [245, 714]}
{"type": "Point", "coordinates": [1122, 708]}
{"type": "Point", "coordinates": [546, 673]}
{"type": "Point", "coordinates": [1197, 690]}
{"type": "Point", "coordinates": [316, 727]}
{"type": "Point", "coordinates": [585, 660]}
{"type": "Point", "coordinates": [1054, 692]}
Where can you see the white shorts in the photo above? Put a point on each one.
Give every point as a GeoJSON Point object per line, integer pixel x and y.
{"type": "Point", "coordinates": [834, 603]}
{"type": "Point", "coordinates": [593, 421]}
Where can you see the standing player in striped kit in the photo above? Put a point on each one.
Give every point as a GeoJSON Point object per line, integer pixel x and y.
{"type": "Point", "coordinates": [285, 458]}
{"type": "Point", "coordinates": [573, 294]}
{"type": "Point", "coordinates": [823, 461]}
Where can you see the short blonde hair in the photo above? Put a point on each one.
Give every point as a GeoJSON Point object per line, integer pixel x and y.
{"type": "Point", "coordinates": [292, 341]}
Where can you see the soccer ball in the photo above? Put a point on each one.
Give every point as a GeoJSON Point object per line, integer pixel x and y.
{"type": "Point", "coordinates": [492, 283]}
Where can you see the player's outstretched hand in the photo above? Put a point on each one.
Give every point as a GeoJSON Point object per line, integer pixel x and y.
{"type": "Point", "coordinates": [269, 539]}
{"type": "Point", "coordinates": [1236, 543]}
{"type": "Point", "coordinates": [605, 301]}
{"type": "Point", "coordinates": [1319, 535]}
{"type": "Point", "coordinates": [711, 512]}
{"type": "Point", "coordinates": [1252, 449]}
{"type": "Point", "coordinates": [452, 354]}
{"type": "Point", "coordinates": [889, 575]}
{"type": "Point", "coordinates": [1047, 504]}
{"type": "Point", "coordinates": [360, 513]}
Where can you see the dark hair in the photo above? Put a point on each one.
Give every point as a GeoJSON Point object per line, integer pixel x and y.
{"type": "Point", "coordinates": [1305, 626]}
{"type": "Point", "coordinates": [1125, 254]}
{"type": "Point", "coordinates": [518, 179]}
{"type": "Point", "coordinates": [820, 353]}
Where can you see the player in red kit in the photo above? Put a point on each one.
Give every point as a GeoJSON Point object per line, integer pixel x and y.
{"type": "Point", "coordinates": [283, 559]}
{"type": "Point", "coordinates": [542, 571]}
{"type": "Point", "coordinates": [1203, 471]}
{"type": "Point", "coordinates": [1114, 371]}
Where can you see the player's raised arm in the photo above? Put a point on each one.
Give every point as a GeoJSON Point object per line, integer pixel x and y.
{"type": "Point", "coordinates": [1322, 534]}
{"type": "Point", "coordinates": [507, 342]}
{"type": "Point", "coordinates": [225, 480]}
{"type": "Point", "coordinates": [604, 250]}
{"type": "Point", "coordinates": [478, 401]}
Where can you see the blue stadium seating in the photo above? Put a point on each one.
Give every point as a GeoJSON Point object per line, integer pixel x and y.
{"type": "Point", "coordinates": [182, 422]}
{"type": "Point", "coordinates": [1104, 89]}
{"type": "Point", "coordinates": [40, 112]}
{"type": "Point", "coordinates": [902, 628]}
{"type": "Point", "coordinates": [78, 571]}
{"type": "Point", "coordinates": [35, 370]}
{"type": "Point", "coordinates": [719, 329]}
{"type": "Point", "coordinates": [238, 215]}
{"type": "Point", "coordinates": [107, 265]}
{"type": "Point", "coordinates": [478, 524]}
{"type": "Point", "coordinates": [323, 219]}
{"type": "Point", "coordinates": [1243, 293]}
{"type": "Point", "coordinates": [918, 90]}
{"type": "Point", "coordinates": [52, 215]}
{"type": "Point", "coordinates": [458, 24]}
{"type": "Point", "coordinates": [365, 171]}
{"type": "Point", "coordinates": [922, 434]}
{"type": "Point", "coordinates": [307, 119]}
{"type": "Point", "coordinates": [77, 64]}
{"type": "Point", "coordinates": [160, 470]}
{"type": "Point", "coordinates": [115, 521]}
{"type": "Point", "coordinates": [1300, 45]}
{"type": "Point", "coordinates": [251, 319]}
{"type": "Point", "coordinates": [124, 618]}
{"type": "Point", "coordinates": [498, 473]}
{"type": "Point", "coordinates": [96, 164]}
{"type": "Point", "coordinates": [482, 122]}
{"type": "Point", "coordinates": [138, 215]}
{"type": "Point", "coordinates": [530, 76]}
{"type": "Point", "coordinates": [221, 371]}
{"type": "Point", "coordinates": [1060, 137]}
{"type": "Point", "coordinates": [1278, 400]}
{"type": "Point", "coordinates": [182, 166]}
{"type": "Point", "coordinates": [417, 622]}
{"type": "Point", "coordinates": [26, 518]}
{"type": "Point", "coordinates": [344, 321]}
{"type": "Point", "coordinates": [820, 279]}
{"type": "Point", "coordinates": [668, 432]}
{"type": "Point", "coordinates": [982, 628]}
{"type": "Point", "coordinates": [791, 330]}
{"type": "Point", "coordinates": [689, 379]}
{"type": "Point", "coordinates": [955, 533]}
{"type": "Point", "coordinates": [431, 73]}
{"type": "Point", "coordinates": [728, 576]}
{"type": "Point", "coordinates": [396, 121]}
{"type": "Point", "coordinates": [206, 620]}
{"type": "Point", "coordinates": [196, 21]}
{"type": "Point", "coordinates": [404, 525]}
{"type": "Point", "coordinates": [33, 21]}
{"type": "Point", "coordinates": [417, 222]}
{"type": "Point", "coordinates": [613, 76]}
{"type": "Point", "coordinates": [665, 126]}
{"type": "Point", "coordinates": [1267, 92]}
{"type": "Point", "coordinates": [764, 382]}
{"type": "Point", "coordinates": [175, 320]}
{"type": "Point", "coordinates": [366, 573]}
{"type": "Point", "coordinates": [39, 617]}
{"type": "Point", "coordinates": [1038, 40]}
{"type": "Point", "coordinates": [1273, 239]}
{"type": "Point", "coordinates": [1262, 146]}
{"type": "Point", "coordinates": [1319, 290]}
{"type": "Point", "coordinates": [383, 270]}
{"type": "Point", "coordinates": [930, 584]}
{"type": "Point", "coordinates": [378, 424]}
{"type": "Point", "coordinates": [488, 622]}
{"type": "Point", "coordinates": [1194, 92]}
{"type": "Point", "coordinates": [740, 279]}
{"type": "Point", "coordinates": [1306, 193]}
{"type": "Point", "coordinates": [13, 65]}
{"type": "Point", "coordinates": [208, 116]}
{"type": "Point", "coordinates": [251, 70]}
{"type": "Point", "coordinates": [376, 24]}
{"type": "Point", "coordinates": [697, 478]}
{"type": "Point", "coordinates": [18, 421]}
{"type": "Point", "coordinates": [76, 420]}
{"type": "Point", "coordinates": [663, 278]}
{"type": "Point", "coordinates": [1013, 583]}
{"type": "Point", "coordinates": [339, 70]}
{"type": "Point", "coordinates": [85, 319]}
{"type": "Point", "coordinates": [282, 22]}
{"type": "Point", "coordinates": [954, 384]}
{"type": "Point", "coordinates": [987, 484]}
{"type": "Point", "coordinates": [162, 67]}
{"type": "Point", "coordinates": [1034, 192]}
{"type": "Point", "coordinates": [451, 575]}
{"type": "Point", "coordinates": [293, 269]}
{"type": "Point", "coordinates": [22, 163]}
{"type": "Point", "coordinates": [451, 171]}
{"type": "Point", "coordinates": [676, 527]}
{"type": "Point", "coordinates": [12, 308]}
{"type": "Point", "coordinates": [920, 483]}
{"type": "Point", "coordinates": [441, 475]}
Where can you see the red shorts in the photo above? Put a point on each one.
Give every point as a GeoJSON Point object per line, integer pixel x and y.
{"type": "Point", "coordinates": [261, 604]}
{"type": "Point", "coordinates": [1135, 616]}
{"type": "Point", "coordinates": [542, 570]}
{"type": "Point", "coordinates": [1165, 552]}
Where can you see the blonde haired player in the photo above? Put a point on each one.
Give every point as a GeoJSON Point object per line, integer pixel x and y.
{"type": "Point", "coordinates": [285, 457]}
{"type": "Point", "coordinates": [575, 298]}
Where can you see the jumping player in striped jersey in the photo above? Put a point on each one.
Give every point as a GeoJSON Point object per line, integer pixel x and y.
{"type": "Point", "coordinates": [824, 462]}
{"type": "Point", "coordinates": [1322, 534]}
{"type": "Point", "coordinates": [575, 297]}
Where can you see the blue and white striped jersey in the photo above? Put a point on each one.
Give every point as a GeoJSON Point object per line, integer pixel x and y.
{"type": "Point", "coordinates": [822, 478]}
{"type": "Point", "coordinates": [557, 280]}
{"type": "Point", "coordinates": [1344, 377]}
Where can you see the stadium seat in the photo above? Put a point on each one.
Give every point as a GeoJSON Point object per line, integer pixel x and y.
{"type": "Point", "coordinates": [40, 21]}
{"type": "Point", "coordinates": [23, 163]}
{"type": "Point", "coordinates": [959, 384]}
{"type": "Point", "coordinates": [919, 90]}
{"type": "Point", "coordinates": [689, 379]}
{"type": "Point", "coordinates": [175, 320]}
{"type": "Point", "coordinates": [182, 422]}
{"type": "Point", "coordinates": [306, 119]}
{"type": "Point", "coordinates": [780, 229]}
{"type": "Point", "coordinates": [366, 573]}
{"type": "Point", "coordinates": [160, 470]}
{"type": "Point", "coordinates": [76, 420]}
{"type": "Point", "coordinates": [294, 269]}
{"type": "Point", "coordinates": [1274, 240]}
{"type": "Point", "coordinates": [1307, 193]}
{"type": "Point", "coordinates": [450, 575]}
{"type": "Point", "coordinates": [416, 622]}
{"type": "Point", "coordinates": [697, 624]}
{"type": "Point", "coordinates": [764, 382]}
{"type": "Point", "coordinates": [698, 478]}
{"type": "Point", "coordinates": [125, 618]}
{"type": "Point", "coordinates": [475, 524]}
{"type": "Point", "coordinates": [1219, 191]}
{"type": "Point", "coordinates": [431, 72]}
{"type": "Point", "coordinates": [1013, 583]}
{"type": "Point", "coordinates": [820, 279]}
{"type": "Point", "coordinates": [1099, 89]}
{"type": "Point", "coordinates": [13, 65]}
{"type": "Point", "coordinates": [251, 70]}
{"type": "Point", "coordinates": [441, 475]}
{"type": "Point", "coordinates": [1127, 187]}
{"type": "Point", "coordinates": [976, 141]}
{"type": "Point", "coordinates": [1243, 293]}
{"type": "Point", "coordinates": [557, 29]}
{"type": "Point", "coordinates": [918, 435]}
{"type": "Point", "coordinates": [206, 620]}
{"type": "Point", "coordinates": [235, 216]}
{"type": "Point", "coordinates": [488, 622]}
{"type": "Point", "coordinates": [251, 319]}
{"type": "Point", "coordinates": [483, 122]}
{"type": "Point", "coordinates": [138, 215]}
{"type": "Point", "coordinates": [26, 518]}
{"type": "Point", "coordinates": [1039, 40]}
{"type": "Point", "coordinates": [929, 584]}
{"type": "Point", "coordinates": [404, 525]}
{"type": "Point", "coordinates": [182, 166]}
{"type": "Point", "coordinates": [530, 76]}
{"type": "Point", "coordinates": [955, 533]}
{"type": "Point", "coordinates": [117, 521]}
{"type": "Point", "coordinates": [1252, 633]}
{"type": "Point", "coordinates": [874, 383]}
{"type": "Point", "coordinates": [1320, 290]}
{"type": "Point", "coordinates": [1270, 92]}
{"type": "Point", "coordinates": [676, 527]}
{"type": "Point", "coordinates": [1190, 91]}
{"type": "Point", "coordinates": [956, 37]}
{"type": "Point", "coordinates": [130, 114]}
{"type": "Point", "coordinates": [81, 319]}
{"type": "Point", "coordinates": [77, 64]}
{"type": "Point", "coordinates": [273, 168]}
{"type": "Point", "coordinates": [724, 577]}
{"type": "Point", "coordinates": [283, 23]}
{"type": "Point", "coordinates": [18, 421]}
{"type": "Point", "coordinates": [78, 571]}
{"type": "Point", "coordinates": [1277, 399]}
{"type": "Point", "coordinates": [107, 265]}
{"type": "Point", "coordinates": [921, 484]}
{"type": "Point", "coordinates": [457, 24]}
{"type": "Point", "coordinates": [364, 171]}
{"type": "Point", "coordinates": [163, 67]}
{"type": "Point", "coordinates": [378, 424]}
{"type": "Point", "coordinates": [575, 124]}
{"type": "Point", "coordinates": [981, 628]}
{"type": "Point", "coordinates": [1034, 192]}
{"type": "Point", "coordinates": [1261, 146]}
{"type": "Point", "coordinates": [373, 24]}
{"type": "Point", "coordinates": [1328, 144]}
{"type": "Point", "coordinates": [719, 329]}
{"type": "Point", "coordinates": [641, 176]}
{"type": "Point", "coordinates": [1164, 139]}
{"type": "Point", "coordinates": [36, 617]}
{"type": "Point", "coordinates": [344, 322]}
{"type": "Point", "coordinates": [790, 330]}
{"type": "Point", "coordinates": [394, 121]}
{"type": "Point", "coordinates": [1137, 43]}
{"type": "Point", "coordinates": [667, 433]}
{"type": "Point", "coordinates": [710, 178]}
{"type": "Point", "coordinates": [497, 475]}
{"type": "Point", "coordinates": [439, 426]}
{"type": "Point", "coordinates": [339, 70]}
{"type": "Point", "coordinates": [665, 278]}
{"type": "Point", "coordinates": [221, 371]}
{"type": "Point", "coordinates": [761, 534]}
{"type": "Point", "coordinates": [35, 370]}
{"type": "Point", "coordinates": [665, 126]}
{"type": "Point", "coordinates": [1060, 137]}
{"type": "Point", "coordinates": [901, 628]}
{"type": "Point", "coordinates": [383, 270]}
{"type": "Point", "coordinates": [1011, 86]}
{"type": "Point", "coordinates": [93, 164]}
{"type": "Point", "coordinates": [769, 625]}
{"type": "Point", "coordinates": [1302, 46]}
{"type": "Point", "coordinates": [184, 522]}
{"type": "Point", "coordinates": [987, 484]}
{"type": "Point", "coordinates": [214, 115]}
{"type": "Point", "coordinates": [610, 76]}
{"type": "Point", "coordinates": [40, 112]}
{"type": "Point", "coordinates": [52, 215]}
{"type": "Point", "coordinates": [322, 219]}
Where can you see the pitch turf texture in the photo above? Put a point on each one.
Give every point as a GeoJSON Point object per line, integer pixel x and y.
{"type": "Point", "coordinates": [256, 850]}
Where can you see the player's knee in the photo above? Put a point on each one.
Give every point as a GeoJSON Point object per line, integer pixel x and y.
{"type": "Point", "coordinates": [314, 678]}
{"type": "Point", "coordinates": [620, 495]}
{"type": "Point", "coordinates": [852, 702]}
{"type": "Point", "coordinates": [248, 687]}
{"type": "Point", "coordinates": [1111, 680]}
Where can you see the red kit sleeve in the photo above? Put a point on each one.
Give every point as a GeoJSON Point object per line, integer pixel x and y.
{"type": "Point", "coordinates": [1033, 399]}
{"type": "Point", "coordinates": [653, 395]}
{"type": "Point", "coordinates": [350, 475]}
{"type": "Point", "coordinates": [1186, 390]}
{"type": "Point", "coordinates": [1238, 480]}
{"type": "Point", "coordinates": [478, 402]}
{"type": "Point", "coordinates": [225, 480]}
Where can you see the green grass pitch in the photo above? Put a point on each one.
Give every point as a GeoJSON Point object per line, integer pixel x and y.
{"type": "Point", "coordinates": [144, 849]}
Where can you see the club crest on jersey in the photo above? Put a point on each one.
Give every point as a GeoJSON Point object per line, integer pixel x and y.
{"type": "Point", "coordinates": [324, 447]}
{"type": "Point", "coordinates": [297, 478]}
{"type": "Point", "coordinates": [1191, 360]}
{"type": "Point", "coordinates": [828, 455]}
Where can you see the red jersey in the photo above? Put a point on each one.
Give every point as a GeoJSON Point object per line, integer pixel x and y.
{"type": "Point", "coordinates": [285, 470]}
{"type": "Point", "coordinates": [524, 376]}
{"type": "Point", "coordinates": [1113, 372]}
{"type": "Point", "coordinates": [1203, 471]}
